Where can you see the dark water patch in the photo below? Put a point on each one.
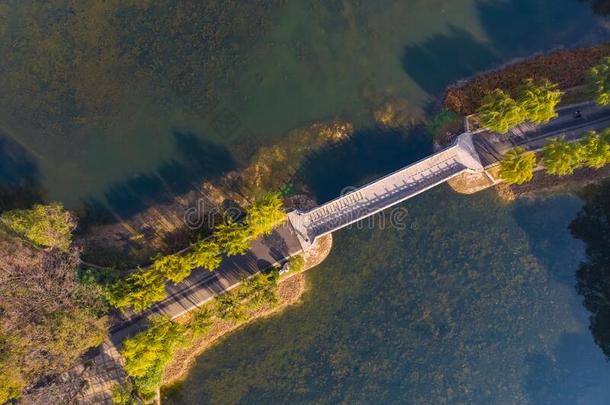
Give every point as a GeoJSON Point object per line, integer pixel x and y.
{"type": "Point", "coordinates": [600, 7]}
{"type": "Point", "coordinates": [592, 226]}
{"type": "Point", "coordinates": [517, 28]}
{"type": "Point", "coordinates": [197, 160]}
{"type": "Point", "coordinates": [19, 176]}
{"type": "Point", "coordinates": [445, 58]}
{"type": "Point", "coordinates": [368, 154]}
{"type": "Point", "coordinates": [572, 373]}
{"type": "Point", "coordinates": [546, 226]}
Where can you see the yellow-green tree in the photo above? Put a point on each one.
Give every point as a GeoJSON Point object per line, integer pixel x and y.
{"type": "Point", "coordinates": [517, 166]}
{"type": "Point", "coordinates": [140, 290]}
{"type": "Point", "coordinates": [499, 112]}
{"type": "Point", "coordinates": [233, 237]}
{"type": "Point", "coordinates": [265, 214]}
{"type": "Point", "coordinates": [599, 81]}
{"type": "Point", "coordinates": [147, 353]}
{"type": "Point", "coordinates": [597, 149]}
{"type": "Point", "coordinates": [539, 100]}
{"type": "Point", "coordinates": [45, 225]}
{"type": "Point", "coordinates": [561, 158]}
{"type": "Point", "coordinates": [174, 268]}
{"type": "Point", "coordinates": [206, 254]}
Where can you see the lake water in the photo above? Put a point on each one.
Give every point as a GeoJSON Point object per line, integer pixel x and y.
{"type": "Point", "coordinates": [473, 301]}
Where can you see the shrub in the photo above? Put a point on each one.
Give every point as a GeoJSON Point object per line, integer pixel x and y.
{"type": "Point", "coordinates": [296, 263]}
{"type": "Point", "coordinates": [200, 323]}
{"type": "Point", "coordinates": [499, 112]}
{"type": "Point", "coordinates": [147, 353]}
{"type": "Point", "coordinates": [561, 158]}
{"type": "Point", "coordinates": [230, 306]}
{"type": "Point", "coordinates": [260, 289]}
{"type": "Point", "coordinates": [45, 225]}
{"type": "Point", "coordinates": [517, 167]}
{"type": "Point", "coordinates": [539, 100]}
{"type": "Point", "coordinates": [598, 81]}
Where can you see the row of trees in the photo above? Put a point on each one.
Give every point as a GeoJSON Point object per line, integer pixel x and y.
{"type": "Point", "coordinates": [149, 352]}
{"type": "Point", "coordinates": [144, 287]}
{"type": "Point", "coordinates": [559, 158]}
{"type": "Point", "coordinates": [535, 102]}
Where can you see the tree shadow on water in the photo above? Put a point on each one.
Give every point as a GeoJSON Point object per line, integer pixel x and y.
{"type": "Point", "coordinates": [443, 59]}
{"type": "Point", "coordinates": [19, 176]}
{"type": "Point", "coordinates": [573, 373]}
{"type": "Point", "coordinates": [545, 221]}
{"type": "Point", "coordinates": [592, 226]}
{"type": "Point", "coordinates": [369, 154]}
{"type": "Point", "coordinates": [197, 160]}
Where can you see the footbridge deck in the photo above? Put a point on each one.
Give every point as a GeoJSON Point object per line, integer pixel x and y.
{"type": "Point", "coordinates": [386, 191]}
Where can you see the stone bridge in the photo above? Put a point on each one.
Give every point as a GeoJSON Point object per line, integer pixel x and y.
{"type": "Point", "coordinates": [386, 191]}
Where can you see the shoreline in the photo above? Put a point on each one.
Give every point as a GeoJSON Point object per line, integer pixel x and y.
{"type": "Point", "coordinates": [291, 289]}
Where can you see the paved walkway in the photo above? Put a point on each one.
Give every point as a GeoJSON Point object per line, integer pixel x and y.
{"type": "Point", "coordinates": [204, 285]}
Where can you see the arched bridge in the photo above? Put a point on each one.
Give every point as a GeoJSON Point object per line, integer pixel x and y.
{"type": "Point", "coordinates": [386, 191]}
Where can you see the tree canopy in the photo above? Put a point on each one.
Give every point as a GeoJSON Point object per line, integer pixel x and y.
{"type": "Point", "coordinates": [539, 100]}
{"type": "Point", "coordinates": [499, 112]}
{"type": "Point", "coordinates": [147, 353]}
{"type": "Point", "coordinates": [45, 225]}
{"type": "Point", "coordinates": [517, 167]}
{"type": "Point", "coordinates": [49, 317]}
{"type": "Point", "coordinates": [562, 158]}
{"type": "Point", "coordinates": [266, 213]}
{"type": "Point", "coordinates": [234, 237]}
{"type": "Point", "coordinates": [599, 82]}
{"type": "Point", "coordinates": [597, 149]}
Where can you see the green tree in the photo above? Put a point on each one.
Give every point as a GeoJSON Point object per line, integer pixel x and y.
{"type": "Point", "coordinates": [139, 290]}
{"type": "Point", "coordinates": [499, 112]}
{"type": "Point", "coordinates": [598, 81]}
{"type": "Point", "coordinates": [597, 150]}
{"type": "Point", "coordinates": [561, 158]}
{"type": "Point", "coordinates": [173, 267]}
{"type": "Point", "coordinates": [45, 225]}
{"type": "Point", "coordinates": [517, 167]}
{"type": "Point", "coordinates": [539, 100]}
{"type": "Point", "coordinates": [147, 353]}
{"type": "Point", "coordinates": [206, 254]}
{"type": "Point", "coordinates": [265, 214]}
{"type": "Point", "coordinates": [233, 237]}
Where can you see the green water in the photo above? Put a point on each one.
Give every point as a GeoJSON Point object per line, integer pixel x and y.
{"type": "Point", "coordinates": [473, 303]}
{"type": "Point", "coordinates": [97, 93]}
